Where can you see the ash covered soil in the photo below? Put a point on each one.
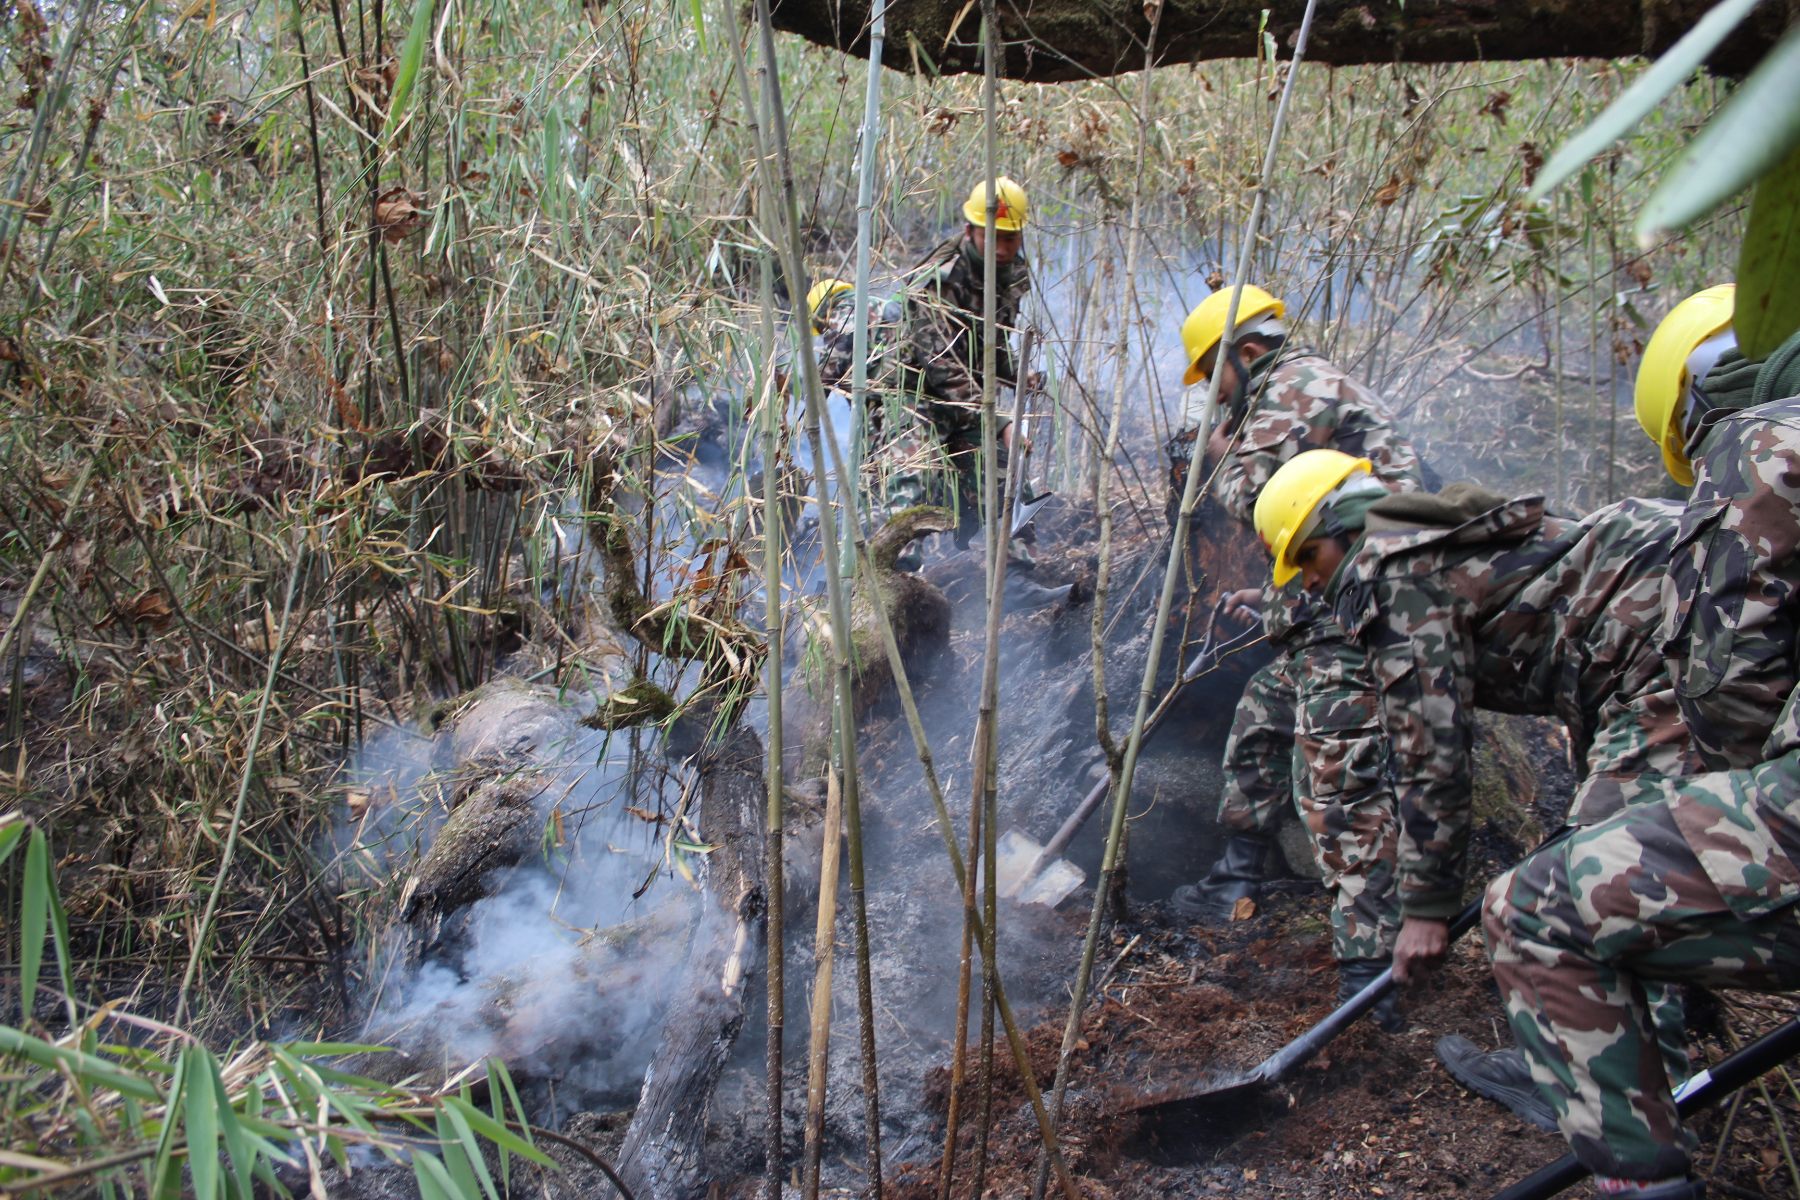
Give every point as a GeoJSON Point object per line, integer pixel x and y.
{"type": "Point", "coordinates": [1372, 1115]}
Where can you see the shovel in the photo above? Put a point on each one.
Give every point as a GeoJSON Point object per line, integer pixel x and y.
{"type": "Point", "coordinates": [1211, 1088]}
{"type": "Point", "coordinates": [1034, 874]}
{"type": "Point", "coordinates": [1277, 1065]}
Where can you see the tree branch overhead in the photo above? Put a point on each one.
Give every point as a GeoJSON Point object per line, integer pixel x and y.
{"type": "Point", "coordinates": [1054, 41]}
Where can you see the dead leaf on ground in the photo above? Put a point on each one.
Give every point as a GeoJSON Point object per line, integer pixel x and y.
{"type": "Point", "coordinates": [1244, 909]}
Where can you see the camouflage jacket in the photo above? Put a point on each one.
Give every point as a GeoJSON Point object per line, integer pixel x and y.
{"type": "Point", "coordinates": [1732, 594]}
{"type": "Point", "coordinates": [1514, 611]}
{"type": "Point", "coordinates": [1300, 401]}
{"type": "Point", "coordinates": [836, 346]}
{"type": "Point", "coordinates": [943, 334]}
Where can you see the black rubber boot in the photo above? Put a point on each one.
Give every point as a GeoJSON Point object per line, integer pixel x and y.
{"type": "Point", "coordinates": [1236, 876]}
{"type": "Point", "coordinates": [1355, 974]}
{"type": "Point", "coordinates": [1498, 1075]}
{"type": "Point", "coordinates": [1668, 1189]}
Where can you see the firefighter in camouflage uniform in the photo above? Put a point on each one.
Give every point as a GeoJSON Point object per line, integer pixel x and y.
{"type": "Point", "coordinates": [1701, 886]}
{"type": "Point", "coordinates": [1304, 733]}
{"type": "Point", "coordinates": [1465, 599]}
{"type": "Point", "coordinates": [894, 470]}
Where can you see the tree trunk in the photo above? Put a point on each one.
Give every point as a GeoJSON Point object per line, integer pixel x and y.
{"type": "Point", "coordinates": [663, 1156]}
{"type": "Point", "coordinates": [1055, 41]}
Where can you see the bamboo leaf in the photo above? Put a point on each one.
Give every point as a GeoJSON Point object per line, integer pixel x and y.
{"type": "Point", "coordinates": [1749, 137]}
{"type": "Point", "coordinates": [471, 1148]}
{"type": "Point", "coordinates": [497, 1133]}
{"type": "Point", "coordinates": [412, 56]}
{"type": "Point", "coordinates": [34, 911]}
{"type": "Point", "coordinates": [12, 827]}
{"type": "Point", "coordinates": [202, 1123]}
{"type": "Point", "coordinates": [455, 1156]}
{"type": "Point", "coordinates": [89, 1068]}
{"type": "Point", "coordinates": [59, 937]}
{"type": "Point", "coordinates": [699, 13]}
{"type": "Point", "coordinates": [553, 171]}
{"type": "Point", "coordinates": [434, 1181]}
{"type": "Point", "coordinates": [1768, 276]}
{"type": "Point", "coordinates": [333, 1049]}
{"type": "Point", "coordinates": [1674, 68]}
{"type": "Point", "coordinates": [165, 1173]}
{"type": "Point", "coordinates": [242, 1148]}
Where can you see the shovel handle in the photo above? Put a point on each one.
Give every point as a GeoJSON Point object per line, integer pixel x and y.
{"type": "Point", "coordinates": [1702, 1091]}
{"type": "Point", "coordinates": [1345, 1014]}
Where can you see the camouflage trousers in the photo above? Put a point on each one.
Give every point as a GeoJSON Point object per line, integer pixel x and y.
{"type": "Point", "coordinates": [1307, 732]}
{"type": "Point", "coordinates": [909, 461]}
{"type": "Point", "coordinates": [1584, 934]}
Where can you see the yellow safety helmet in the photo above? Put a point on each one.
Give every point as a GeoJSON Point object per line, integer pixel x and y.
{"type": "Point", "coordinates": [820, 295]}
{"type": "Point", "coordinates": [1286, 507]}
{"type": "Point", "coordinates": [1206, 324]}
{"type": "Point", "coordinates": [1009, 213]}
{"type": "Point", "coordinates": [1662, 378]}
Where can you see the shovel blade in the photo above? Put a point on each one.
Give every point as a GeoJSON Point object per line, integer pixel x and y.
{"type": "Point", "coordinates": [1018, 853]}
{"type": "Point", "coordinates": [1028, 509]}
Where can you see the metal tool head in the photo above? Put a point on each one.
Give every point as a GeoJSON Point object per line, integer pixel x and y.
{"type": "Point", "coordinates": [1027, 509]}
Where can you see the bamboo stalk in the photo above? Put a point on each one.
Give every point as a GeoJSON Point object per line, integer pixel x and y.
{"type": "Point", "coordinates": [792, 260]}
{"type": "Point", "coordinates": [983, 792]}
{"type": "Point", "coordinates": [960, 1043]}
{"type": "Point", "coordinates": [204, 929]}
{"type": "Point", "coordinates": [922, 745]}
{"type": "Point", "coordinates": [1558, 417]}
{"type": "Point", "coordinates": [825, 924]}
{"type": "Point", "coordinates": [18, 192]}
{"type": "Point", "coordinates": [1171, 571]}
{"type": "Point", "coordinates": [1102, 575]}
{"type": "Point", "coordinates": [825, 948]}
{"type": "Point", "coordinates": [774, 1157]}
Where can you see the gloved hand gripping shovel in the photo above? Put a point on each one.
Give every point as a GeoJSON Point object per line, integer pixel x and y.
{"type": "Point", "coordinates": [1034, 874]}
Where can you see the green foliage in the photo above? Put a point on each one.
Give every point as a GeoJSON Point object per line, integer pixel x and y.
{"type": "Point", "coordinates": [196, 1126]}
{"type": "Point", "coordinates": [1752, 141]}
{"type": "Point", "coordinates": [1768, 276]}
{"type": "Point", "coordinates": [412, 55]}
{"type": "Point", "coordinates": [1636, 102]}
{"type": "Point", "coordinates": [1752, 133]}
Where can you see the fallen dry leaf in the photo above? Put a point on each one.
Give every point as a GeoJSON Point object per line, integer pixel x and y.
{"type": "Point", "coordinates": [148, 608]}
{"type": "Point", "coordinates": [1244, 909]}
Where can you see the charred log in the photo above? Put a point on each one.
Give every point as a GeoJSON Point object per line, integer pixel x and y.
{"type": "Point", "coordinates": [1056, 41]}
{"type": "Point", "coordinates": [499, 736]}
{"type": "Point", "coordinates": [663, 1156]}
